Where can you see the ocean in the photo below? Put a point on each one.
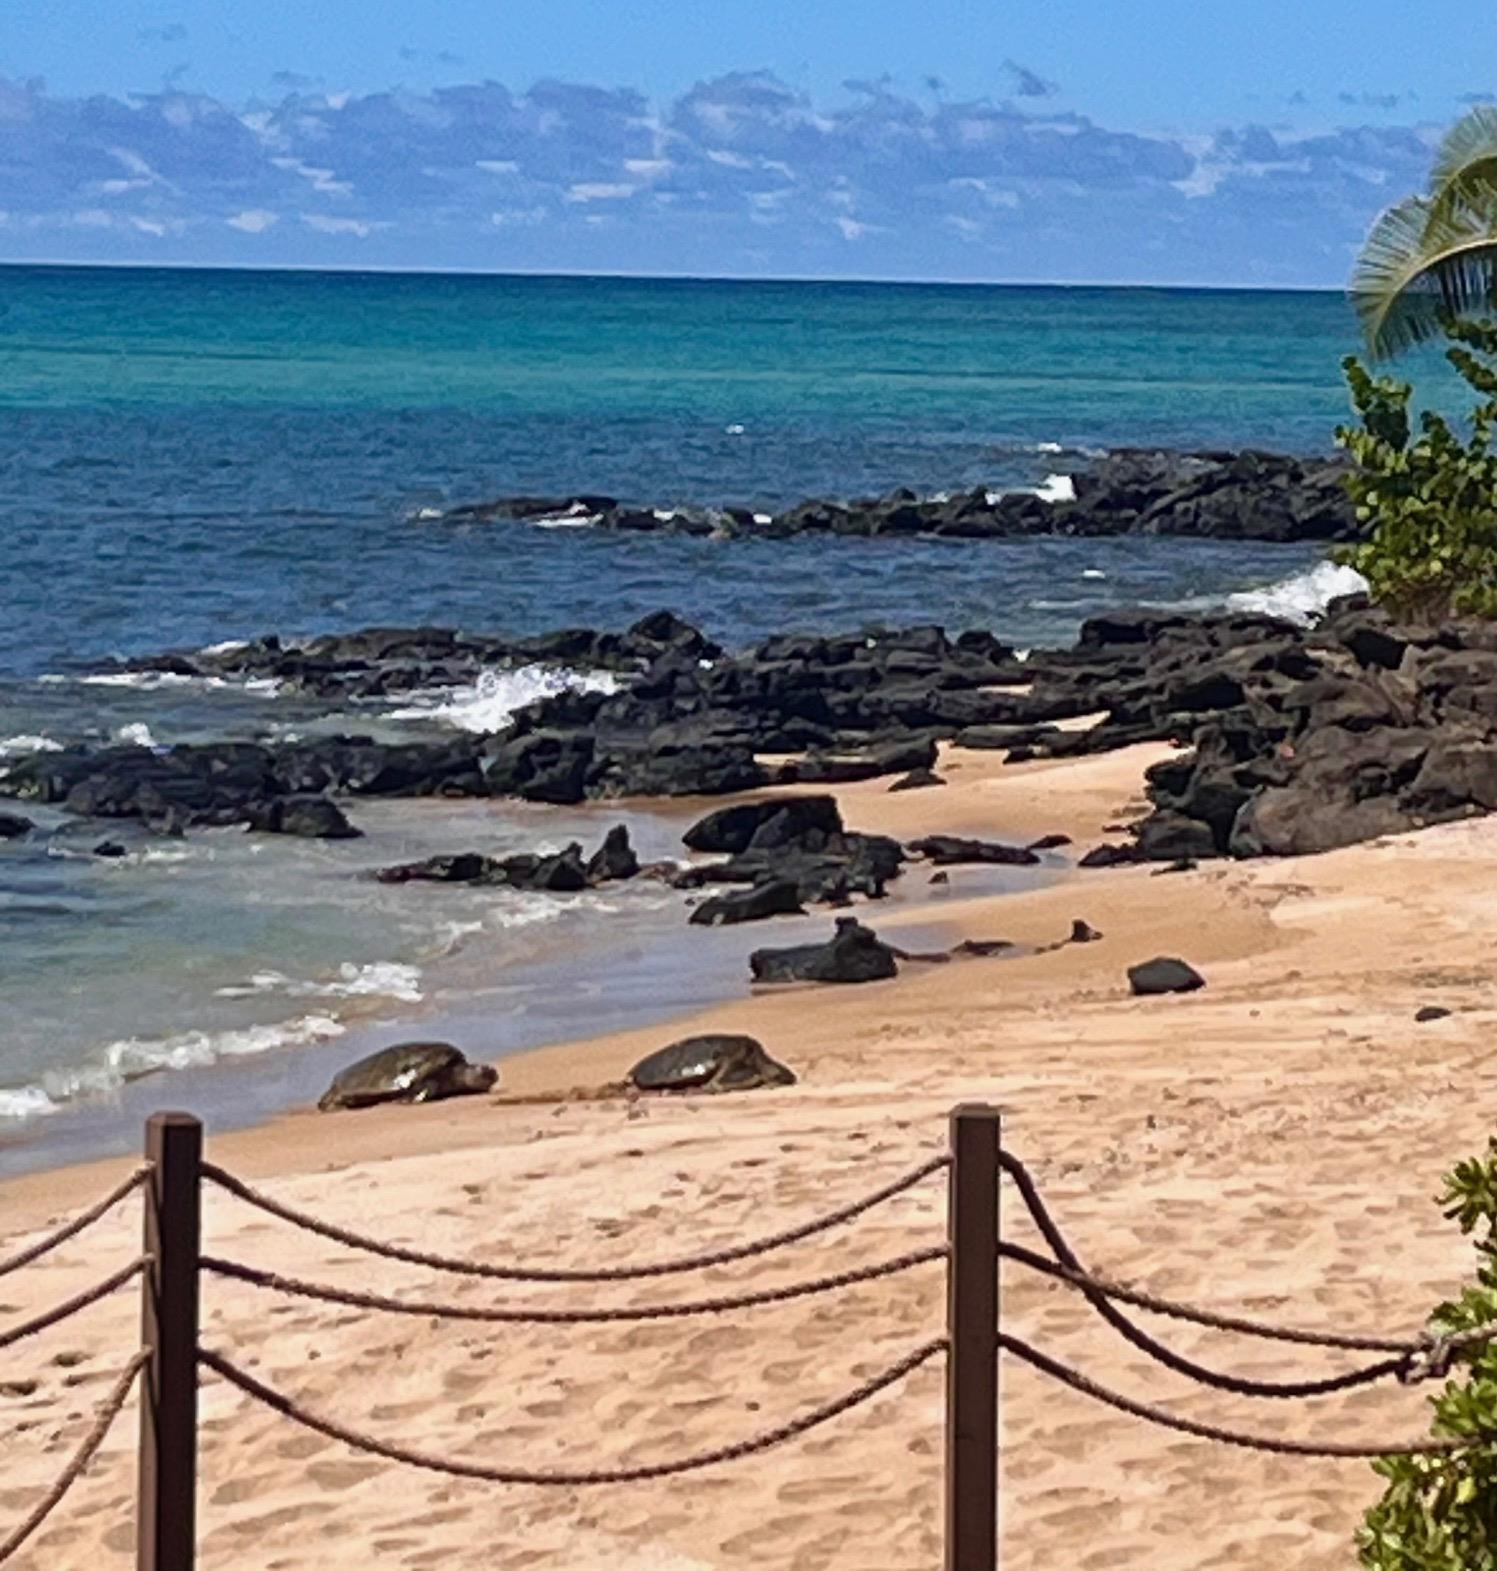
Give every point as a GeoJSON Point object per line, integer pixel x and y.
{"type": "Point", "coordinates": [193, 457]}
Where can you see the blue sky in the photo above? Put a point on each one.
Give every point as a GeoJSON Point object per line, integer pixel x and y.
{"type": "Point", "coordinates": [1139, 140]}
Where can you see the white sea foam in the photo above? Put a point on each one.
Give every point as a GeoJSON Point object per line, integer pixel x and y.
{"type": "Point", "coordinates": [488, 704]}
{"type": "Point", "coordinates": [763, 518]}
{"type": "Point", "coordinates": [21, 746]}
{"type": "Point", "coordinates": [228, 647]}
{"type": "Point", "coordinates": [132, 1058]}
{"type": "Point", "coordinates": [733, 430]}
{"type": "Point", "coordinates": [566, 521]}
{"type": "Point", "coordinates": [27, 1102]}
{"type": "Point", "coordinates": [426, 515]}
{"type": "Point", "coordinates": [1046, 447]}
{"type": "Point", "coordinates": [378, 979]}
{"type": "Point", "coordinates": [1056, 488]}
{"type": "Point", "coordinates": [149, 681]}
{"type": "Point", "coordinates": [153, 681]}
{"type": "Point", "coordinates": [136, 734]}
{"type": "Point", "coordinates": [1303, 597]}
{"type": "Point", "coordinates": [1092, 572]}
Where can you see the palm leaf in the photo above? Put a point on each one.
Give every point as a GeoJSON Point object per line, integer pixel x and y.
{"type": "Point", "coordinates": [1422, 265]}
{"type": "Point", "coordinates": [1465, 169]}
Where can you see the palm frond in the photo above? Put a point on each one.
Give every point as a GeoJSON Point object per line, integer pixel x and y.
{"type": "Point", "coordinates": [1465, 168]}
{"type": "Point", "coordinates": [1422, 265]}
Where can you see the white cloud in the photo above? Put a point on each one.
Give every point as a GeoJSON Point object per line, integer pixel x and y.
{"type": "Point", "coordinates": [319, 179]}
{"type": "Point", "coordinates": [600, 191]}
{"type": "Point", "coordinates": [341, 226]}
{"type": "Point", "coordinates": [253, 220]}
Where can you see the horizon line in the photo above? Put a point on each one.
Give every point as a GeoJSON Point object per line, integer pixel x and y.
{"type": "Point", "coordinates": [416, 271]}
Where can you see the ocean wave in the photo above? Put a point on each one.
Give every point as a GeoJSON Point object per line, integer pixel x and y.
{"type": "Point", "coordinates": [378, 979]}
{"type": "Point", "coordinates": [155, 681]}
{"type": "Point", "coordinates": [24, 745]}
{"type": "Point", "coordinates": [133, 1058]}
{"type": "Point", "coordinates": [136, 734]}
{"type": "Point", "coordinates": [489, 703]}
{"type": "Point", "coordinates": [1056, 488]}
{"type": "Point", "coordinates": [567, 520]}
{"type": "Point", "coordinates": [1303, 597]}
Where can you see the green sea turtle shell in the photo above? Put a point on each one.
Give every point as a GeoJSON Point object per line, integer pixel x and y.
{"type": "Point", "coordinates": [406, 1072]}
{"type": "Point", "coordinates": [712, 1063]}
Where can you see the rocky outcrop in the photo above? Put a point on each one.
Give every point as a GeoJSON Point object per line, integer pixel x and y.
{"type": "Point", "coordinates": [561, 872]}
{"type": "Point", "coordinates": [797, 841]}
{"type": "Point", "coordinates": [854, 954]}
{"type": "Point", "coordinates": [1212, 495]}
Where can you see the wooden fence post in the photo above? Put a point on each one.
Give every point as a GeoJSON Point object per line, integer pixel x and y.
{"type": "Point", "coordinates": [972, 1329]}
{"type": "Point", "coordinates": [166, 1513]}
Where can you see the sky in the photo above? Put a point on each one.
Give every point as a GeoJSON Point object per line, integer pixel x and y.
{"type": "Point", "coordinates": [1063, 140]}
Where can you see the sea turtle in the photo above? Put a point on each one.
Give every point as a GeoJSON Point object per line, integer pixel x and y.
{"type": "Point", "coordinates": [710, 1063]}
{"type": "Point", "coordinates": [408, 1072]}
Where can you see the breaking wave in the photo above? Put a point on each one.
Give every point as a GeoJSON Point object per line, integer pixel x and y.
{"type": "Point", "coordinates": [1303, 597]}
{"type": "Point", "coordinates": [489, 703]}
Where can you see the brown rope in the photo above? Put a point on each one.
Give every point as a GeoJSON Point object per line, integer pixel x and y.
{"type": "Point", "coordinates": [572, 1317]}
{"type": "Point", "coordinates": [72, 1306]}
{"type": "Point", "coordinates": [1097, 1295]}
{"type": "Point", "coordinates": [85, 1454]}
{"type": "Point", "coordinates": [55, 1240]}
{"type": "Point", "coordinates": [416, 1257]}
{"type": "Point", "coordinates": [288, 1408]}
{"type": "Point", "coordinates": [1197, 1316]}
{"type": "Point", "coordinates": [1189, 1426]}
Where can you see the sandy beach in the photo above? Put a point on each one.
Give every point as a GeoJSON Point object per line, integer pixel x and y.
{"type": "Point", "coordinates": [1269, 1145]}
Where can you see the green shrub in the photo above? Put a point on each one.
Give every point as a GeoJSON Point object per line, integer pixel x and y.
{"type": "Point", "coordinates": [1428, 502]}
{"type": "Point", "coordinates": [1439, 1513]}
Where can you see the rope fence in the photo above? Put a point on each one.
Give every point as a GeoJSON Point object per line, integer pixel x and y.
{"type": "Point", "coordinates": [171, 1358]}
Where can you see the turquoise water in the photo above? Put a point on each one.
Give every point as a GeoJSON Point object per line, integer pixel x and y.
{"type": "Point", "coordinates": [188, 457]}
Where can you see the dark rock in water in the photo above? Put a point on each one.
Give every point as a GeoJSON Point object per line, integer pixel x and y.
{"type": "Point", "coordinates": [1109, 856]}
{"type": "Point", "coordinates": [1164, 975]}
{"type": "Point", "coordinates": [562, 872]}
{"type": "Point", "coordinates": [954, 850]}
{"type": "Point", "coordinates": [408, 1072]}
{"type": "Point", "coordinates": [13, 826]}
{"type": "Point", "coordinates": [110, 849]}
{"type": "Point", "coordinates": [311, 817]}
{"type": "Point", "coordinates": [917, 780]}
{"type": "Point", "coordinates": [854, 954]}
{"type": "Point", "coordinates": [465, 868]}
{"type": "Point", "coordinates": [779, 897]}
{"type": "Point", "coordinates": [940, 878]}
{"type": "Point", "coordinates": [710, 1063]}
{"type": "Point", "coordinates": [867, 763]}
{"type": "Point", "coordinates": [1049, 842]}
{"type": "Point", "coordinates": [731, 829]}
{"type": "Point", "coordinates": [1229, 496]}
{"type": "Point", "coordinates": [1083, 933]}
{"type": "Point", "coordinates": [614, 860]}
{"type": "Point", "coordinates": [1431, 1012]}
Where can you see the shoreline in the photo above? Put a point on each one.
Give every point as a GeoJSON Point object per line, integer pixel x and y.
{"type": "Point", "coordinates": [1267, 1145]}
{"type": "Point", "coordinates": [983, 797]}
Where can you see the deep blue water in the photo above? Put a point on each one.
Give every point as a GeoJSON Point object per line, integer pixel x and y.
{"type": "Point", "coordinates": [191, 455]}
{"type": "Point", "coordinates": [188, 457]}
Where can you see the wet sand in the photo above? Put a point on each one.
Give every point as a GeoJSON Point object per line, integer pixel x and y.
{"type": "Point", "coordinates": [1268, 1145]}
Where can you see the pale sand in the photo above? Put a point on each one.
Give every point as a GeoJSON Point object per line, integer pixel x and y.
{"type": "Point", "coordinates": [1270, 1145]}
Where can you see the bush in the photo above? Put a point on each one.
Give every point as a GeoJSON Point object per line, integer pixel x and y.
{"type": "Point", "coordinates": [1428, 503]}
{"type": "Point", "coordinates": [1439, 1513]}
